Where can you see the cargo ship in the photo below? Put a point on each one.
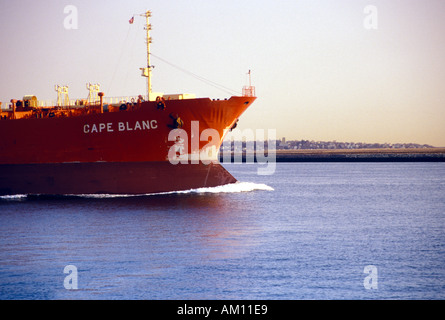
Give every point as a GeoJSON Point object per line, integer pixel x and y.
{"type": "Point", "coordinates": [146, 144]}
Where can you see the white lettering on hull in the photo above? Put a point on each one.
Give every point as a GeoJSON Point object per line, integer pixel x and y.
{"type": "Point", "coordinates": [109, 127]}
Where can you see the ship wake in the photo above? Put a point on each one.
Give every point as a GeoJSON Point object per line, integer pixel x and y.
{"type": "Point", "coordinates": [237, 187]}
{"type": "Point", "coordinates": [231, 188]}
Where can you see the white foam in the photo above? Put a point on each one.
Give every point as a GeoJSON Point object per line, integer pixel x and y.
{"type": "Point", "coordinates": [228, 188]}
{"type": "Point", "coordinates": [232, 188]}
{"type": "Point", "coordinates": [14, 197]}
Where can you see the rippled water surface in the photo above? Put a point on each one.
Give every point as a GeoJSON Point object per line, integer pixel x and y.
{"type": "Point", "coordinates": [305, 232]}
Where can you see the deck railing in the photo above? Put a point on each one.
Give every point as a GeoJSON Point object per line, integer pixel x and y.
{"type": "Point", "coordinates": [81, 102]}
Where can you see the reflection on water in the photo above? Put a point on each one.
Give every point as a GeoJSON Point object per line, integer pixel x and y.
{"type": "Point", "coordinates": [309, 237]}
{"type": "Point", "coordinates": [117, 241]}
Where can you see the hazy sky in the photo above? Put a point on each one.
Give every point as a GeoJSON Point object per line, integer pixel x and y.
{"type": "Point", "coordinates": [319, 73]}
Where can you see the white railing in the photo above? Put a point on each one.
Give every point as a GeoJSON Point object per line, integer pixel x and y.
{"type": "Point", "coordinates": [82, 102]}
{"type": "Point", "coordinates": [123, 99]}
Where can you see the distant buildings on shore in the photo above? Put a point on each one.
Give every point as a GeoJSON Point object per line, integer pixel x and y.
{"type": "Point", "coordinates": [239, 146]}
{"type": "Point", "coordinates": [306, 144]}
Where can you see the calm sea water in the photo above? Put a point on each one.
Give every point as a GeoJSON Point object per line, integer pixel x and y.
{"type": "Point", "coordinates": [308, 231]}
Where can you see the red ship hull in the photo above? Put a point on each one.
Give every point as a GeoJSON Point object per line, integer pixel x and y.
{"type": "Point", "coordinates": [123, 152]}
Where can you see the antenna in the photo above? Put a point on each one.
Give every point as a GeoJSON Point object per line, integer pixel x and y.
{"type": "Point", "coordinates": [146, 72]}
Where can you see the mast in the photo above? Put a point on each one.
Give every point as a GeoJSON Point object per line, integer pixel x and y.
{"type": "Point", "coordinates": [146, 72]}
{"type": "Point", "coordinates": [249, 91]}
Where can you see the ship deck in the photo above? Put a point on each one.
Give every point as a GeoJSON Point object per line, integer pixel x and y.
{"type": "Point", "coordinates": [22, 109]}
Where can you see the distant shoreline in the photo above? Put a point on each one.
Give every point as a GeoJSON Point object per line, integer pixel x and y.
{"type": "Point", "coordinates": [347, 155]}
